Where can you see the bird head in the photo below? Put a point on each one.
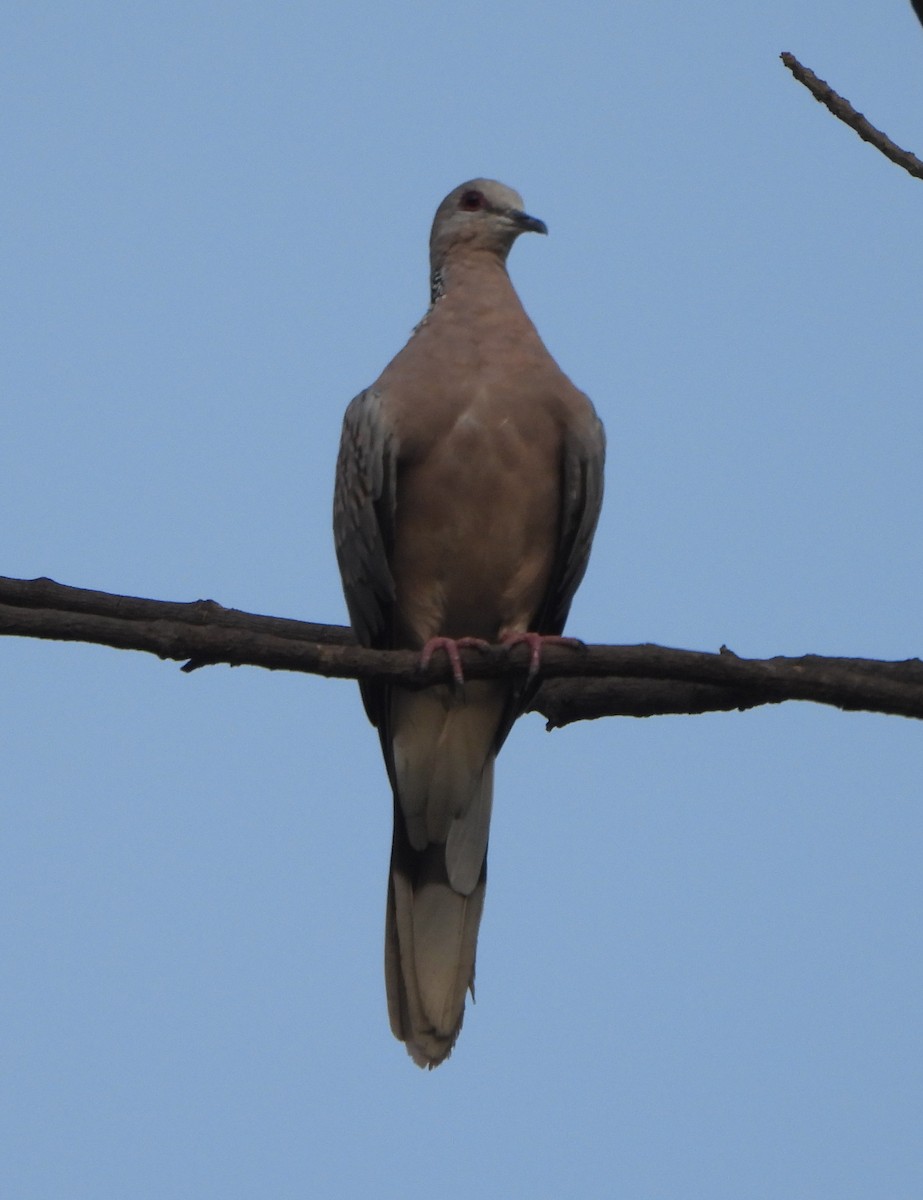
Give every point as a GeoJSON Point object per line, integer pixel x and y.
{"type": "Point", "coordinates": [481, 214]}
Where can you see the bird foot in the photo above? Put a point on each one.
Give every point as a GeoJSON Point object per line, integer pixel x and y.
{"type": "Point", "coordinates": [451, 647]}
{"type": "Point", "coordinates": [536, 642]}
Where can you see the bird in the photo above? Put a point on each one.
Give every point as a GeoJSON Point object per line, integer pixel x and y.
{"type": "Point", "coordinates": [468, 487]}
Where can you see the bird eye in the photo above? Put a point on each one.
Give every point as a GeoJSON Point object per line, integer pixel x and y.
{"type": "Point", "coordinates": [472, 201]}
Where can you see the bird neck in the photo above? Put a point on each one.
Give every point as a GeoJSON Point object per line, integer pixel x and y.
{"type": "Point", "coordinates": [471, 270]}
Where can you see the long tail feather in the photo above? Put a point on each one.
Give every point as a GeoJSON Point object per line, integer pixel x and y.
{"type": "Point", "coordinates": [443, 782]}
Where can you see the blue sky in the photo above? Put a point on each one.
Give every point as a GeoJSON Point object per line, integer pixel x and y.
{"type": "Point", "coordinates": [699, 971]}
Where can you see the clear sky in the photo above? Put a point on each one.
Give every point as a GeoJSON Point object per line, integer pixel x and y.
{"type": "Point", "coordinates": [700, 964]}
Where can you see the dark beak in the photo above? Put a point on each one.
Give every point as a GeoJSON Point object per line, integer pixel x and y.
{"type": "Point", "coordinates": [526, 224]}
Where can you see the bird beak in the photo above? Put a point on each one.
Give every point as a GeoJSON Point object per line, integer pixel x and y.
{"type": "Point", "coordinates": [526, 224]}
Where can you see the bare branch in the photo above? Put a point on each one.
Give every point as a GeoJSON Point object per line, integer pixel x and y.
{"type": "Point", "coordinates": [592, 681]}
{"type": "Point", "coordinates": [842, 109]}
{"type": "Point", "coordinates": [58, 597]}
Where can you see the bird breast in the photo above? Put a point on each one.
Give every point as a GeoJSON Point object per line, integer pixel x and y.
{"type": "Point", "coordinates": [476, 522]}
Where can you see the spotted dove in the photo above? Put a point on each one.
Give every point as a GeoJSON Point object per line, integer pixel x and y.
{"type": "Point", "coordinates": [468, 487]}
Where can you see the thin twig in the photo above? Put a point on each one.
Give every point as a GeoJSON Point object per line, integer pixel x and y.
{"type": "Point", "coordinates": [842, 109]}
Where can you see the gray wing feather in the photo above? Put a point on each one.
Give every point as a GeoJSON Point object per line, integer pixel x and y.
{"type": "Point", "coordinates": [363, 517]}
{"type": "Point", "coordinates": [583, 460]}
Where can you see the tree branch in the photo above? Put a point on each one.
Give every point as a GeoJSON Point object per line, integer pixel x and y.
{"type": "Point", "coordinates": [580, 684]}
{"type": "Point", "coordinates": [845, 112]}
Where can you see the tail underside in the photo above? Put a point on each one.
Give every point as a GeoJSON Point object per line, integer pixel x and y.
{"type": "Point", "coordinates": [442, 772]}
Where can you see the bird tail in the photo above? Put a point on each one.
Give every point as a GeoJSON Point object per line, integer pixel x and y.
{"type": "Point", "coordinates": [430, 946]}
{"type": "Point", "coordinates": [443, 760]}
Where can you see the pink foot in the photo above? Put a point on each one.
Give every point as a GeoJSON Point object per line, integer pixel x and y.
{"type": "Point", "coordinates": [535, 642]}
{"type": "Point", "coordinates": [451, 646]}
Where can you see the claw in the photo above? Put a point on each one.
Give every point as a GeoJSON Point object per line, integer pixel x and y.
{"type": "Point", "coordinates": [535, 642]}
{"type": "Point", "coordinates": [451, 647]}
